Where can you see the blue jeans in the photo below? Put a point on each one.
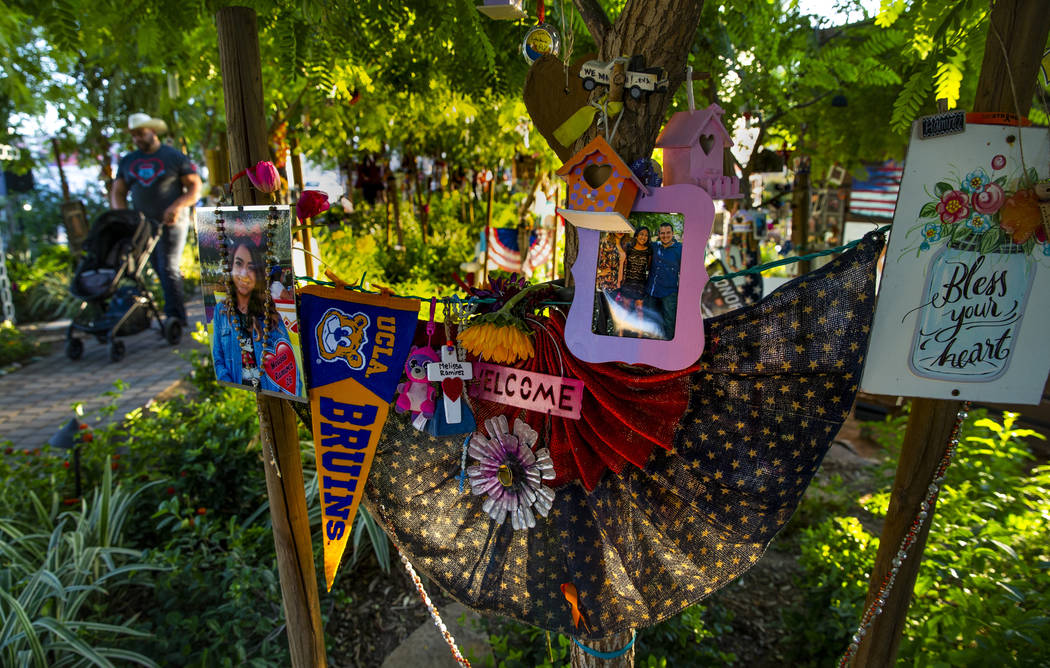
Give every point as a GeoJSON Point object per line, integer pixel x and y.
{"type": "Point", "coordinates": [165, 260]}
{"type": "Point", "coordinates": [668, 309]}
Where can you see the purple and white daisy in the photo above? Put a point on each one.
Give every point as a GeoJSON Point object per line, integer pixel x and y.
{"type": "Point", "coordinates": [510, 474]}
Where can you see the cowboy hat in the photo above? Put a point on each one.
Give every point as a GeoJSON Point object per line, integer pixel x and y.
{"type": "Point", "coordinates": [136, 121]}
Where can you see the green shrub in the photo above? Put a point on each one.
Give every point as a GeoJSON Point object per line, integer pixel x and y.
{"type": "Point", "coordinates": [40, 284]}
{"type": "Point", "coordinates": [983, 589]}
{"type": "Point", "coordinates": [15, 346]}
{"type": "Point", "coordinates": [58, 572]}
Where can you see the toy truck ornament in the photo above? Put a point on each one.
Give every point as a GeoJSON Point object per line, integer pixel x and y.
{"type": "Point", "coordinates": [639, 78]}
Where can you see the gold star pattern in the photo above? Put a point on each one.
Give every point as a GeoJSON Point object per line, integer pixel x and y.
{"type": "Point", "coordinates": [776, 381]}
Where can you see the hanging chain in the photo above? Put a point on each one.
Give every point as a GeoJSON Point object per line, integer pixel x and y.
{"type": "Point", "coordinates": [433, 612]}
{"type": "Point", "coordinates": [875, 609]}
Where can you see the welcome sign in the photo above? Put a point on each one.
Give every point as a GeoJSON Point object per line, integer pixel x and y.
{"type": "Point", "coordinates": [355, 345]}
{"type": "Point", "coordinates": [964, 303]}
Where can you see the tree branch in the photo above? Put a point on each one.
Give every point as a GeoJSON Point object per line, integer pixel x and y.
{"type": "Point", "coordinates": [595, 18]}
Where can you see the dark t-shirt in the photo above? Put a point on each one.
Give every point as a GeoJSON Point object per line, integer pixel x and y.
{"type": "Point", "coordinates": [154, 179]}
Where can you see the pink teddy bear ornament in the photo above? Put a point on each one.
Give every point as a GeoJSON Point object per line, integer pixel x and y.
{"type": "Point", "coordinates": [416, 395]}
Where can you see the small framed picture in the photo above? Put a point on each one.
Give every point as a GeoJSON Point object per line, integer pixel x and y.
{"type": "Point", "coordinates": [249, 304]}
{"type": "Point", "coordinates": [637, 295]}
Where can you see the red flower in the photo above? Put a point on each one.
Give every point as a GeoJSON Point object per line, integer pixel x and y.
{"type": "Point", "coordinates": [171, 491]}
{"type": "Point", "coordinates": [8, 451]}
{"type": "Point", "coordinates": [989, 199]}
{"type": "Point", "coordinates": [115, 466]}
{"type": "Point", "coordinates": [182, 474]}
{"type": "Point", "coordinates": [953, 207]}
{"type": "Point", "coordinates": [264, 177]}
{"type": "Point", "coordinates": [83, 425]}
{"type": "Point", "coordinates": [87, 437]}
{"type": "Point", "coordinates": [65, 465]}
{"type": "Point", "coordinates": [201, 511]}
{"type": "Point", "coordinates": [311, 203]}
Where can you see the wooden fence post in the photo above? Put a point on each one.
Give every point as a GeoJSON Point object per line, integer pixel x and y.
{"type": "Point", "coordinates": [1009, 65]}
{"type": "Point", "coordinates": [246, 132]}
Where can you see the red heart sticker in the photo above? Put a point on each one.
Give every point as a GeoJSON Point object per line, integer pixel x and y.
{"type": "Point", "coordinates": [280, 367]}
{"type": "Point", "coordinates": [452, 387]}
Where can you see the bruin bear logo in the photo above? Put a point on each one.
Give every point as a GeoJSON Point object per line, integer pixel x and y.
{"type": "Point", "coordinates": [341, 337]}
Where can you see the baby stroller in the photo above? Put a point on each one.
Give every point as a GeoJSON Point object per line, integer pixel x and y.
{"type": "Point", "coordinates": [109, 279]}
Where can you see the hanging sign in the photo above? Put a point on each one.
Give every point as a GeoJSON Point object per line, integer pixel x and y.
{"type": "Point", "coordinates": [538, 392]}
{"type": "Point", "coordinates": [356, 345]}
{"type": "Point", "coordinates": [964, 303]}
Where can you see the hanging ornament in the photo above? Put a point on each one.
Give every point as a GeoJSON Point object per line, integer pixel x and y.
{"type": "Point", "coordinates": [415, 395]}
{"type": "Point", "coordinates": [541, 40]}
{"type": "Point", "coordinates": [452, 415]}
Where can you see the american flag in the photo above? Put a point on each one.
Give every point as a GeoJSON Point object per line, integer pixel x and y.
{"type": "Point", "coordinates": [877, 195]}
{"type": "Point", "coordinates": [505, 256]}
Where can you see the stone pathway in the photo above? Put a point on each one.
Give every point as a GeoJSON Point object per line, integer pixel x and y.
{"type": "Point", "coordinates": [37, 399]}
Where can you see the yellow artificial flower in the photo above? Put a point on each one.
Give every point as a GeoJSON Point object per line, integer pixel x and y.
{"type": "Point", "coordinates": [501, 342]}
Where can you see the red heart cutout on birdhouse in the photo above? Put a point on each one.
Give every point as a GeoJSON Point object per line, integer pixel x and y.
{"type": "Point", "coordinates": [596, 175]}
{"type": "Point", "coordinates": [280, 367]}
{"type": "Point", "coordinates": [706, 142]}
{"type": "Point", "coordinates": [452, 387]}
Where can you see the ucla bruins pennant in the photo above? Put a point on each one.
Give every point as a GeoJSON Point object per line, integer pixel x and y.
{"type": "Point", "coordinates": [356, 345]}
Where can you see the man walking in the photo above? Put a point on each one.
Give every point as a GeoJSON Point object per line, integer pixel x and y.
{"type": "Point", "coordinates": [164, 183]}
{"type": "Point", "coordinates": [663, 278]}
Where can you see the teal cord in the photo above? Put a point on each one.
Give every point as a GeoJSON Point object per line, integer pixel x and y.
{"type": "Point", "coordinates": [722, 277]}
{"type": "Point", "coordinates": [607, 655]}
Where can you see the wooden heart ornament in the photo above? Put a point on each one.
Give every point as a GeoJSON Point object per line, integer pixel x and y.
{"type": "Point", "coordinates": [550, 101]}
{"type": "Point", "coordinates": [280, 367]}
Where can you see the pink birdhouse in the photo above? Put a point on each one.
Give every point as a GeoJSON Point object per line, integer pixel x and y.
{"type": "Point", "coordinates": [694, 144]}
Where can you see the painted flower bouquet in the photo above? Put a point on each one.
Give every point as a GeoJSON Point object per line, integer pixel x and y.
{"type": "Point", "coordinates": [984, 212]}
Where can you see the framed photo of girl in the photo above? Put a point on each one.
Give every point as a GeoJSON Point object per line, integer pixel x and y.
{"type": "Point", "coordinates": [249, 298]}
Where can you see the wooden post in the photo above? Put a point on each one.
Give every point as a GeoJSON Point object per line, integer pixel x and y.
{"type": "Point", "coordinates": [242, 88]}
{"type": "Point", "coordinates": [1023, 26]}
{"type": "Point", "coordinates": [488, 225]}
{"type": "Point", "coordinates": [303, 233]}
{"type": "Point", "coordinates": [800, 212]}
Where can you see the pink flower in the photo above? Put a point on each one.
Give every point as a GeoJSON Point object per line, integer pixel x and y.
{"type": "Point", "coordinates": [311, 203]}
{"type": "Point", "coordinates": [989, 199]}
{"type": "Point", "coordinates": [953, 207]}
{"type": "Point", "coordinates": [264, 177]}
{"type": "Point", "coordinates": [999, 161]}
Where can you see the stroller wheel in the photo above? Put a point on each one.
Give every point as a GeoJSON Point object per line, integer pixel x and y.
{"type": "Point", "coordinates": [74, 348]}
{"type": "Point", "coordinates": [172, 331]}
{"type": "Point", "coordinates": [116, 350]}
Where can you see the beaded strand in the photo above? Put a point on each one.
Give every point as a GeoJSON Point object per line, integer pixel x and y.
{"type": "Point", "coordinates": [434, 612]}
{"type": "Point", "coordinates": [875, 609]}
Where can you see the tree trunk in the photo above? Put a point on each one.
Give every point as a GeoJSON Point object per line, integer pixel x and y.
{"type": "Point", "coordinates": [581, 659]}
{"type": "Point", "coordinates": [660, 30]}
{"type": "Point", "coordinates": [394, 192]}
{"type": "Point", "coordinates": [1023, 26]}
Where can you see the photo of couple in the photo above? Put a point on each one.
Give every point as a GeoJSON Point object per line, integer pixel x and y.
{"type": "Point", "coordinates": [636, 284]}
{"type": "Point", "coordinates": [254, 336]}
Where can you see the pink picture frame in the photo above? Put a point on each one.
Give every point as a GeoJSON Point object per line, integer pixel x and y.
{"type": "Point", "coordinates": [685, 348]}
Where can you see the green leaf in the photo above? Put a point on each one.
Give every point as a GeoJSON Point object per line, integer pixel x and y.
{"type": "Point", "coordinates": [929, 210]}
{"type": "Point", "coordinates": [941, 188]}
{"type": "Point", "coordinates": [989, 241]}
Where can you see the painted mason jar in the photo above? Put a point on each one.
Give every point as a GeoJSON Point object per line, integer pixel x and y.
{"type": "Point", "coordinates": [970, 312]}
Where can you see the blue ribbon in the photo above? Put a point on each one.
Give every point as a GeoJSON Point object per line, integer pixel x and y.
{"type": "Point", "coordinates": [607, 655]}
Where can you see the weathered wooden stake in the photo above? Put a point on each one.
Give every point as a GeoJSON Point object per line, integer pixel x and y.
{"type": "Point", "coordinates": [242, 88]}
{"type": "Point", "coordinates": [1023, 26]}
